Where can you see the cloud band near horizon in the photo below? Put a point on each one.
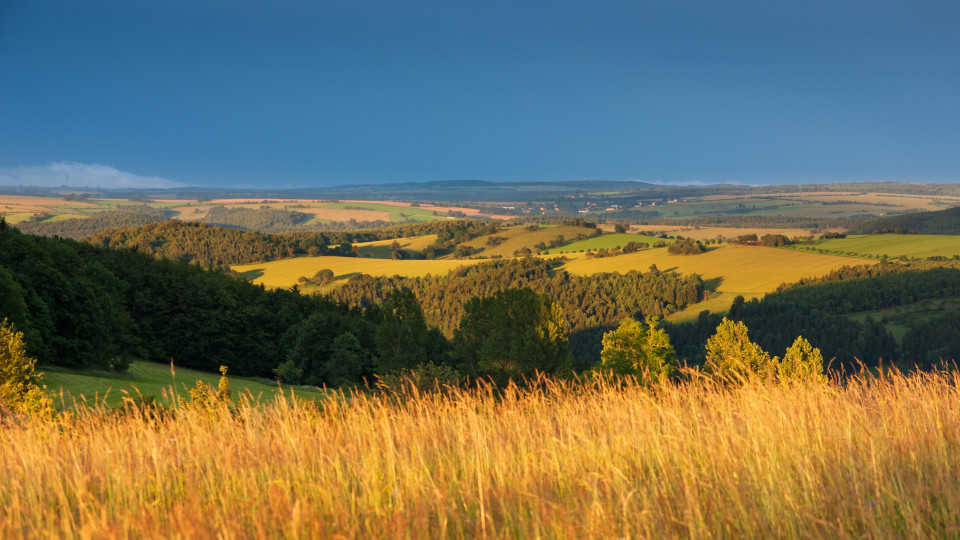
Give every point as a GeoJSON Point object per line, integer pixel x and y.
{"type": "Point", "coordinates": [79, 175]}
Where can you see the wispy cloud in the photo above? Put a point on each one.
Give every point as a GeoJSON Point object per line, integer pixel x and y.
{"type": "Point", "coordinates": [78, 175]}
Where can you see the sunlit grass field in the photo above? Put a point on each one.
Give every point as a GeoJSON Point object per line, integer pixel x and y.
{"type": "Point", "coordinates": [895, 245]}
{"type": "Point", "coordinates": [518, 237]}
{"type": "Point", "coordinates": [606, 241]}
{"type": "Point", "coordinates": [870, 458]}
{"type": "Point", "coordinates": [146, 379]}
{"type": "Point", "coordinates": [285, 273]}
{"type": "Point", "coordinates": [380, 249]}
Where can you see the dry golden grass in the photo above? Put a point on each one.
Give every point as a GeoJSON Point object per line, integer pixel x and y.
{"type": "Point", "coordinates": [416, 243]}
{"type": "Point", "coordinates": [872, 458]}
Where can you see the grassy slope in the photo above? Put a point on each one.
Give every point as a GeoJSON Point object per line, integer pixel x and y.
{"type": "Point", "coordinates": [894, 245]}
{"type": "Point", "coordinates": [152, 380]}
{"type": "Point", "coordinates": [729, 270]}
{"type": "Point", "coordinates": [519, 237]}
{"type": "Point", "coordinates": [605, 241]}
{"type": "Point", "coordinates": [866, 459]}
{"type": "Point", "coordinates": [380, 249]}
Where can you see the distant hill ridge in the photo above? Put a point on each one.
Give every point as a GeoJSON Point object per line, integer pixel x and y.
{"type": "Point", "coordinates": [935, 222]}
{"type": "Point", "coordinates": [77, 228]}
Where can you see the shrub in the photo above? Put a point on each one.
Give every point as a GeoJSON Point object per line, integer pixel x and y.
{"type": "Point", "coordinates": [20, 391]}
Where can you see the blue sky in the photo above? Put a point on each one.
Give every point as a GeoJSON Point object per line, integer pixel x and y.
{"type": "Point", "coordinates": [288, 94]}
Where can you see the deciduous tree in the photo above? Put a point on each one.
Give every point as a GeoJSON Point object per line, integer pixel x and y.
{"type": "Point", "coordinates": [638, 349]}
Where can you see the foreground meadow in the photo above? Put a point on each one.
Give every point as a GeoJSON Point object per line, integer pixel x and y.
{"type": "Point", "coordinates": [871, 457]}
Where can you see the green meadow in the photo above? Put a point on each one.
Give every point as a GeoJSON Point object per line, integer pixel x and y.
{"type": "Point", "coordinates": [894, 245]}
{"type": "Point", "coordinates": [151, 379]}
{"type": "Point", "coordinates": [605, 241]}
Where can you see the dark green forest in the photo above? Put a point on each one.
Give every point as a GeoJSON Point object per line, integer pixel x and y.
{"type": "Point", "coordinates": [77, 228]}
{"type": "Point", "coordinates": [936, 222]}
{"type": "Point", "coordinates": [818, 311]}
{"type": "Point", "coordinates": [219, 247]}
{"type": "Point", "coordinates": [86, 307]}
{"type": "Point", "coordinates": [591, 304]}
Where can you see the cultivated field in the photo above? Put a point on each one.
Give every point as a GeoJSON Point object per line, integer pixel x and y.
{"type": "Point", "coordinates": [606, 241]}
{"type": "Point", "coordinates": [894, 245]}
{"type": "Point", "coordinates": [285, 273]}
{"type": "Point", "coordinates": [873, 459]}
{"type": "Point", "coordinates": [19, 208]}
{"type": "Point", "coordinates": [380, 249]}
{"type": "Point", "coordinates": [808, 205]}
{"type": "Point", "coordinates": [150, 379]}
{"type": "Point", "coordinates": [711, 233]}
{"type": "Point", "coordinates": [518, 237]}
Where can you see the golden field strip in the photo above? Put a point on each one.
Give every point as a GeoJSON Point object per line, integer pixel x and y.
{"type": "Point", "coordinates": [286, 272]}
{"type": "Point", "coordinates": [868, 458]}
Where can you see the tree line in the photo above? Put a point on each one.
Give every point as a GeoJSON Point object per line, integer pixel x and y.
{"type": "Point", "coordinates": [77, 228]}
{"type": "Point", "coordinates": [212, 246]}
{"type": "Point", "coordinates": [591, 304]}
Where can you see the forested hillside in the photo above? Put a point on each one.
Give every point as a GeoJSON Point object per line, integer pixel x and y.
{"type": "Point", "coordinates": [819, 312]}
{"type": "Point", "coordinates": [82, 306]}
{"type": "Point", "coordinates": [267, 220]}
{"type": "Point", "coordinates": [591, 304]}
{"type": "Point", "coordinates": [219, 247]}
{"type": "Point", "coordinates": [937, 222]}
{"type": "Point", "coordinates": [76, 228]}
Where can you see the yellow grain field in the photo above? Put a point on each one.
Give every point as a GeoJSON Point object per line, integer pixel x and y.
{"type": "Point", "coordinates": [381, 248]}
{"type": "Point", "coordinates": [285, 273]}
{"type": "Point", "coordinates": [865, 459]}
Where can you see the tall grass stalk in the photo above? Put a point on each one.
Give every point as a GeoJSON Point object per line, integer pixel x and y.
{"type": "Point", "coordinates": [872, 457]}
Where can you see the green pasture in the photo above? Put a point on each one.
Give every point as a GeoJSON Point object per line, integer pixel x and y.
{"type": "Point", "coordinates": [606, 241]}
{"type": "Point", "coordinates": [151, 379]}
{"type": "Point", "coordinates": [895, 245]}
{"type": "Point", "coordinates": [518, 236]}
{"type": "Point", "coordinates": [900, 319]}
{"type": "Point", "coordinates": [17, 217]}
